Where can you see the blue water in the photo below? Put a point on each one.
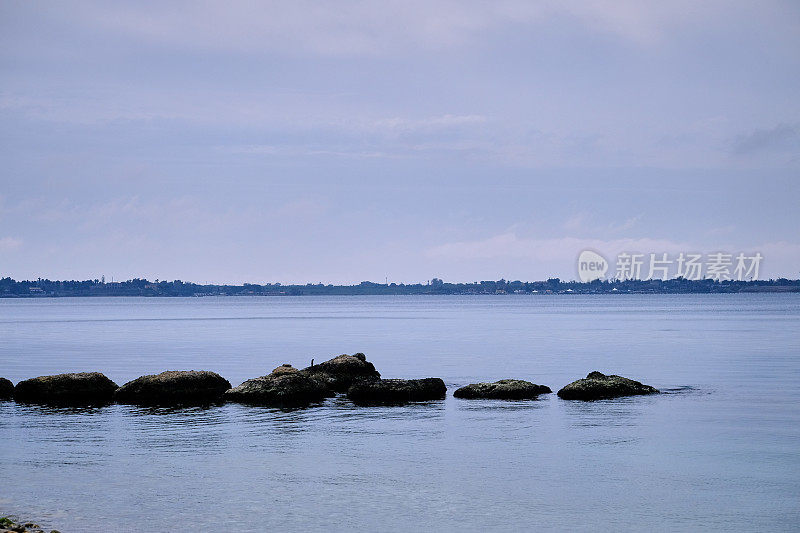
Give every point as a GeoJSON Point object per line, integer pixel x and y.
{"type": "Point", "coordinates": [719, 452]}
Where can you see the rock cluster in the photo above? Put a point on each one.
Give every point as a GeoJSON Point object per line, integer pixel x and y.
{"type": "Point", "coordinates": [174, 387]}
{"type": "Point", "coordinates": [505, 389]}
{"type": "Point", "coordinates": [287, 386]}
{"type": "Point", "coordinates": [598, 386]}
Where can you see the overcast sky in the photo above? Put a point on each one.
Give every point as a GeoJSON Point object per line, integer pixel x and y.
{"type": "Point", "coordinates": [347, 141]}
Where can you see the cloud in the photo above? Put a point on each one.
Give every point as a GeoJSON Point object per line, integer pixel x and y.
{"type": "Point", "coordinates": [348, 152]}
{"type": "Point", "coordinates": [9, 243]}
{"type": "Point", "coordinates": [509, 245]}
{"type": "Point", "coordinates": [720, 230]}
{"type": "Point", "coordinates": [781, 258]}
{"type": "Point", "coordinates": [582, 222]}
{"type": "Point", "coordinates": [783, 137]}
{"type": "Point", "coordinates": [429, 123]}
{"type": "Point", "coordinates": [512, 83]}
{"type": "Point", "coordinates": [357, 28]}
{"type": "Point", "coordinates": [627, 224]}
{"type": "Point", "coordinates": [557, 256]}
{"type": "Point", "coordinates": [577, 222]}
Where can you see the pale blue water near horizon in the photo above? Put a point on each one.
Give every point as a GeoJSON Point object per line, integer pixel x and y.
{"type": "Point", "coordinates": [719, 451]}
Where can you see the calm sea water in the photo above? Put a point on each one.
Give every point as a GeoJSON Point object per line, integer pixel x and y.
{"type": "Point", "coordinates": [719, 452]}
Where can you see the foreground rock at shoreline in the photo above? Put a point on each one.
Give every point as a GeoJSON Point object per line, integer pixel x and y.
{"type": "Point", "coordinates": [598, 386]}
{"type": "Point", "coordinates": [15, 525]}
{"type": "Point", "coordinates": [505, 389]}
{"type": "Point", "coordinates": [6, 389]}
{"type": "Point", "coordinates": [84, 388]}
{"type": "Point", "coordinates": [344, 370]}
{"type": "Point", "coordinates": [174, 387]}
{"type": "Point", "coordinates": [396, 391]}
{"type": "Point", "coordinates": [284, 387]}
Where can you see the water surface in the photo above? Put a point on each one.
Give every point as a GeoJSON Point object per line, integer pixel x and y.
{"type": "Point", "coordinates": [720, 451]}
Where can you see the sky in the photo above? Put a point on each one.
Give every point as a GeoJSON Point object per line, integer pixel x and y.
{"type": "Point", "coordinates": [328, 142]}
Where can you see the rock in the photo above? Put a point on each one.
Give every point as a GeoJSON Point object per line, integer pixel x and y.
{"type": "Point", "coordinates": [174, 387]}
{"type": "Point", "coordinates": [9, 525]}
{"type": "Point", "coordinates": [84, 388]}
{"type": "Point", "coordinates": [396, 391]}
{"type": "Point", "coordinates": [344, 370]}
{"type": "Point", "coordinates": [505, 389]}
{"type": "Point", "coordinates": [285, 368]}
{"type": "Point", "coordinates": [598, 386]}
{"type": "Point", "coordinates": [285, 387]}
{"type": "Point", "coordinates": [6, 389]}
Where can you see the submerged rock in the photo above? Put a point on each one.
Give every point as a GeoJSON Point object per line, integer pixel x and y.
{"type": "Point", "coordinates": [598, 386]}
{"type": "Point", "coordinates": [344, 370]}
{"type": "Point", "coordinates": [84, 388]}
{"type": "Point", "coordinates": [505, 389]}
{"type": "Point", "coordinates": [396, 391]}
{"type": "Point", "coordinates": [174, 387]}
{"type": "Point", "coordinates": [6, 389]}
{"type": "Point", "coordinates": [285, 387]}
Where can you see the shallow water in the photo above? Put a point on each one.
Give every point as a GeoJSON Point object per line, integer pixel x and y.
{"type": "Point", "coordinates": [719, 451]}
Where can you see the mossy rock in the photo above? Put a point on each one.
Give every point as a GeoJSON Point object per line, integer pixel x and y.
{"type": "Point", "coordinates": [282, 388]}
{"type": "Point", "coordinates": [82, 388]}
{"type": "Point", "coordinates": [344, 370]}
{"type": "Point", "coordinates": [598, 386]}
{"type": "Point", "coordinates": [396, 391]}
{"type": "Point", "coordinates": [174, 387]}
{"type": "Point", "coordinates": [505, 389]}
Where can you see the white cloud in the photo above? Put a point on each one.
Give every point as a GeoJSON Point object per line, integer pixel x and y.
{"type": "Point", "coordinates": [576, 222]}
{"type": "Point", "coordinates": [782, 137]}
{"type": "Point", "coordinates": [374, 28]}
{"type": "Point", "coordinates": [582, 222]}
{"type": "Point", "coordinates": [781, 259]}
{"type": "Point", "coordinates": [558, 255]}
{"type": "Point", "coordinates": [9, 243]}
{"type": "Point", "coordinates": [509, 245]}
{"type": "Point", "coordinates": [429, 123]}
{"type": "Point", "coordinates": [627, 224]}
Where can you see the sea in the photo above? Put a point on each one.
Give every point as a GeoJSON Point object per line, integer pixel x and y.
{"type": "Point", "coordinates": [718, 450]}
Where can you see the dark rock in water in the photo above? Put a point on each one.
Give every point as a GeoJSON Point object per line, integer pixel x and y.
{"type": "Point", "coordinates": [342, 371]}
{"type": "Point", "coordinates": [505, 389]}
{"type": "Point", "coordinates": [285, 387]}
{"type": "Point", "coordinates": [396, 391]}
{"type": "Point", "coordinates": [598, 386]}
{"type": "Point", "coordinates": [174, 387]}
{"type": "Point", "coordinates": [6, 389]}
{"type": "Point", "coordinates": [84, 388]}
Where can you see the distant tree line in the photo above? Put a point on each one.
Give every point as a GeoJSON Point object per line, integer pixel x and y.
{"type": "Point", "coordinates": [10, 288]}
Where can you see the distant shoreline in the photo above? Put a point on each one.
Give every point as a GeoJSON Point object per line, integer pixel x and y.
{"type": "Point", "coordinates": [43, 288]}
